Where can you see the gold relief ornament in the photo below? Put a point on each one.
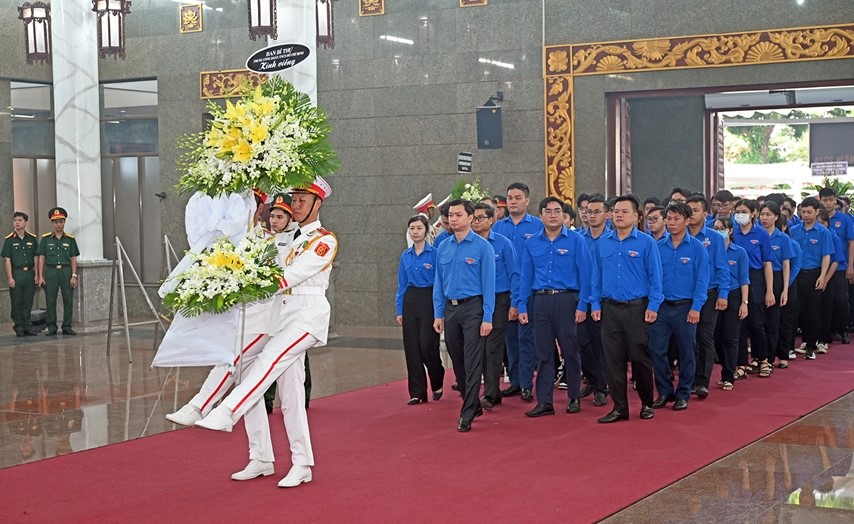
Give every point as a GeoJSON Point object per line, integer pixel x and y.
{"type": "Point", "coordinates": [560, 169]}
{"type": "Point", "coordinates": [190, 18]}
{"type": "Point", "coordinates": [371, 7]}
{"type": "Point", "coordinates": [224, 84]}
{"type": "Point", "coordinates": [558, 61]}
{"type": "Point", "coordinates": [755, 47]}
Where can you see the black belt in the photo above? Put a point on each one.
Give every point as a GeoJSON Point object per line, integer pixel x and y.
{"type": "Point", "coordinates": [715, 289]}
{"type": "Point", "coordinates": [678, 303]}
{"type": "Point", "coordinates": [25, 268]}
{"type": "Point", "coordinates": [458, 301]}
{"type": "Point", "coordinates": [502, 293]}
{"type": "Point", "coordinates": [629, 303]}
{"type": "Point", "coordinates": [554, 291]}
{"type": "Point", "coordinates": [56, 266]}
{"type": "Point", "coordinates": [810, 270]}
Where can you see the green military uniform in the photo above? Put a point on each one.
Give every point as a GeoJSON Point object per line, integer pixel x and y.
{"type": "Point", "coordinates": [21, 252]}
{"type": "Point", "coordinates": [57, 253]}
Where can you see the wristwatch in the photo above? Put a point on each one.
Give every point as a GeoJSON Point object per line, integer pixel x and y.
{"type": "Point", "coordinates": [746, 302]}
{"type": "Point", "coordinates": [73, 275]}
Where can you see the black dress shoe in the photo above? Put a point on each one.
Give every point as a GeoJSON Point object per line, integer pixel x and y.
{"type": "Point", "coordinates": [19, 334]}
{"type": "Point", "coordinates": [50, 334]}
{"type": "Point", "coordinates": [614, 416]}
{"type": "Point", "coordinates": [455, 387]}
{"type": "Point", "coordinates": [846, 338]}
{"type": "Point", "coordinates": [574, 406]}
{"type": "Point", "coordinates": [478, 412]}
{"type": "Point", "coordinates": [437, 394]}
{"type": "Point", "coordinates": [416, 400]}
{"type": "Point", "coordinates": [486, 403]}
{"type": "Point", "coordinates": [541, 410]}
{"type": "Point", "coordinates": [527, 395]}
{"type": "Point", "coordinates": [599, 399]}
{"type": "Point", "coordinates": [69, 331]}
{"type": "Point", "coordinates": [31, 334]}
{"type": "Point", "coordinates": [511, 391]}
{"type": "Point", "coordinates": [662, 401]}
{"type": "Point", "coordinates": [680, 405]}
{"type": "Point", "coordinates": [464, 425]}
{"type": "Point", "coordinates": [647, 412]}
{"type": "Point", "coordinates": [586, 391]}
{"type": "Point", "coordinates": [702, 392]}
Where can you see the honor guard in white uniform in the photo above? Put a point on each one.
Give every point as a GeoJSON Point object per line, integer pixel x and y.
{"type": "Point", "coordinates": [303, 323]}
{"type": "Point", "coordinates": [261, 319]}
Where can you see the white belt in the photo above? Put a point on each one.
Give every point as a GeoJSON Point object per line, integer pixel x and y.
{"type": "Point", "coordinates": [306, 290]}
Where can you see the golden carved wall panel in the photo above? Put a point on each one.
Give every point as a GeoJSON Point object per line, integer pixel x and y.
{"type": "Point", "coordinates": [190, 18]}
{"type": "Point", "coordinates": [561, 63]}
{"type": "Point", "coordinates": [758, 47]}
{"type": "Point", "coordinates": [371, 7]}
{"type": "Point", "coordinates": [225, 84]}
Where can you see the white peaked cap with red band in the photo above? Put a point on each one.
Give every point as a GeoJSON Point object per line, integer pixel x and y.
{"type": "Point", "coordinates": [319, 187]}
{"type": "Point", "coordinates": [424, 204]}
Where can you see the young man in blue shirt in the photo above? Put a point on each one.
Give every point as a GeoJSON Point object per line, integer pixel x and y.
{"type": "Point", "coordinates": [519, 226]}
{"type": "Point", "coordinates": [554, 289]}
{"type": "Point", "coordinates": [625, 295]}
{"type": "Point", "coordinates": [685, 284]}
{"type": "Point", "coordinates": [464, 302]}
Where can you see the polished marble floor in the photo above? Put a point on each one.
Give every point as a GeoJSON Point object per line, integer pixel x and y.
{"type": "Point", "coordinates": [66, 394]}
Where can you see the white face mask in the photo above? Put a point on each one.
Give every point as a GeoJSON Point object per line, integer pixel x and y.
{"type": "Point", "coordinates": [742, 218]}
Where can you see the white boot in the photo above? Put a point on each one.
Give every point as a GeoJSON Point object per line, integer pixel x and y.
{"type": "Point", "coordinates": [186, 416]}
{"type": "Point", "coordinates": [220, 419]}
{"type": "Point", "coordinates": [255, 468]}
{"type": "Point", "coordinates": [296, 476]}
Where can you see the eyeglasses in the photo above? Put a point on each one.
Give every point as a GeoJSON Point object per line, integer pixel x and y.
{"type": "Point", "coordinates": [552, 212]}
{"type": "Point", "coordinates": [595, 211]}
{"type": "Point", "coordinates": [480, 218]}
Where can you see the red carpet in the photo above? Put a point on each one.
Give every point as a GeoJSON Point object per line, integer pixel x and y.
{"type": "Point", "coordinates": [382, 461]}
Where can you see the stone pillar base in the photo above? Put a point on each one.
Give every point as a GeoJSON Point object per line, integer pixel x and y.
{"type": "Point", "coordinates": [91, 298]}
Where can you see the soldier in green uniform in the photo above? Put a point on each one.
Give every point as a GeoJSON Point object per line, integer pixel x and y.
{"type": "Point", "coordinates": [19, 250]}
{"type": "Point", "coordinates": [58, 271]}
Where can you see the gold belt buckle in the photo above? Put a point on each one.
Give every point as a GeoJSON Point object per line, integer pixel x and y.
{"type": "Point", "coordinates": [26, 268]}
{"type": "Point", "coordinates": [59, 266]}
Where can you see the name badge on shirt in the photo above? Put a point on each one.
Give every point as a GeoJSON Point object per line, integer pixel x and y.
{"type": "Point", "coordinates": [731, 262]}
{"type": "Point", "coordinates": [813, 241]}
{"type": "Point", "coordinates": [470, 261]}
{"type": "Point", "coordinates": [775, 248]}
{"type": "Point", "coordinates": [754, 242]}
{"type": "Point", "coordinates": [633, 254]}
{"type": "Point", "coordinates": [563, 251]}
{"type": "Point", "coordinates": [837, 224]}
{"type": "Point", "coordinates": [707, 242]}
{"type": "Point", "coordinates": [685, 260]}
{"type": "Point", "coordinates": [428, 266]}
{"type": "Point", "coordinates": [528, 235]}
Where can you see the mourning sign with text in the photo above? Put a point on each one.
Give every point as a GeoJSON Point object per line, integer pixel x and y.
{"type": "Point", "coordinates": [277, 58]}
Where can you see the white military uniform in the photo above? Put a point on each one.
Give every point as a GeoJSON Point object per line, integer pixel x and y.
{"type": "Point", "coordinates": [303, 323]}
{"type": "Point", "coordinates": [261, 320]}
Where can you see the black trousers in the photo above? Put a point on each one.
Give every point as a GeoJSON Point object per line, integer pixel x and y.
{"type": "Point", "coordinates": [726, 335]}
{"type": "Point", "coordinates": [553, 318]}
{"type": "Point", "coordinates": [834, 307]}
{"type": "Point", "coordinates": [592, 356]}
{"type": "Point", "coordinates": [809, 301]}
{"type": "Point", "coordinates": [625, 337]}
{"type": "Point", "coordinates": [788, 324]}
{"type": "Point", "coordinates": [493, 356]}
{"type": "Point", "coordinates": [421, 342]}
{"type": "Point", "coordinates": [704, 352]}
{"type": "Point", "coordinates": [772, 318]}
{"type": "Point", "coordinates": [465, 347]}
{"type": "Point", "coordinates": [754, 324]}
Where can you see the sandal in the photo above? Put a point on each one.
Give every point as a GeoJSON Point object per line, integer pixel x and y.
{"type": "Point", "coordinates": [783, 364]}
{"type": "Point", "coordinates": [765, 369]}
{"type": "Point", "coordinates": [752, 368]}
{"type": "Point", "coordinates": [726, 386]}
{"type": "Point", "coordinates": [740, 373]}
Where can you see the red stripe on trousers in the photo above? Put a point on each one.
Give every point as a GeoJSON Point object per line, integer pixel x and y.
{"type": "Point", "coordinates": [285, 352]}
{"type": "Point", "coordinates": [222, 383]}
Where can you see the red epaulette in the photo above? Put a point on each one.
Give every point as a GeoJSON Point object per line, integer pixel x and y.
{"type": "Point", "coordinates": [324, 231]}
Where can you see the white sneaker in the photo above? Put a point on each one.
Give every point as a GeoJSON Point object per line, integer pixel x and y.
{"type": "Point", "coordinates": [792, 355]}
{"type": "Point", "coordinates": [186, 416]}
{"type": "Point", "coordinates": [220, 419]}
{"type": "Point", "coordinates": [801, 349]}
{"type": "Point", "coordinates": [255, 468]}
{"type": "Point", "coordinates": [821, 348]}
{"type": "Point", "coordinates": [296, 476]}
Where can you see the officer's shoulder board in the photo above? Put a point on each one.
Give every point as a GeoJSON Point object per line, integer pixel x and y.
{"type": "Point", "coordinates": [10, 235]}
{"type": "Point", "coordinates": [69, 236]}
{"type": "Point", "coordinates": [27, 233]}
{"type": "Point", "coordinates": [324, 231]}
{"type": "Point", "coordinates": [46, 235]}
